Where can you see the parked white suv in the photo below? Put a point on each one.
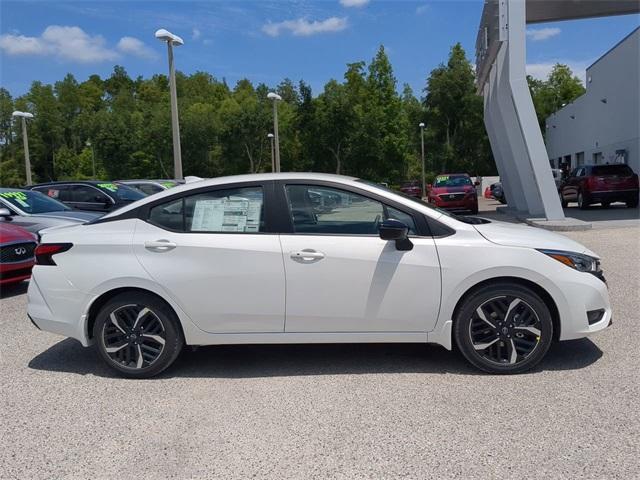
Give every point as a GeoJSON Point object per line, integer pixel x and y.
{"type": "Point", "coordinates": [310, 258]}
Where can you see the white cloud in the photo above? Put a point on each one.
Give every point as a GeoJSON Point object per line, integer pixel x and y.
{"type": "Point", "coordinates": [541, 71]}
{"type": "Point", "coordinates": [353, 3]}
{"type": "Point", "coordinates": [133, 46]}
{"type": "Point", "coordinates": [302, 27]}
{"type": "Point", "coordinates": [195, 34]}
{"type": "Point", "coordinates": [69, 43]}
{"type": "Point", "coordinates": [539, 34]}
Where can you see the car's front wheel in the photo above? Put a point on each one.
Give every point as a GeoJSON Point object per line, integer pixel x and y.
{"type": "Point", "coordinates": [137, 334]}
{"type": "Point", "coordinates": [503, 328]}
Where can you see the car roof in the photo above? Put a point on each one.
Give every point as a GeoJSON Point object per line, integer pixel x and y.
{"type": "Point", "coordinates": [69, 182]}
{"type": "Point", "coordinates": [253, 177]}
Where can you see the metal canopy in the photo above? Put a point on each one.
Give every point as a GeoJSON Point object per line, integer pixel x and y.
{"type": "Point", "coordinates": [510, 119]}
{"type": "Point", "coordinates": [557, 10]}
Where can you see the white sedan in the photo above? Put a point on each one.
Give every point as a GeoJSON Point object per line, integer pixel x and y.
{"type": "Point", "coordinates": [310, 258]}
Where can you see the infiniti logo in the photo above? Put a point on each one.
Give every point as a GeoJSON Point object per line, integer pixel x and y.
{"type": "Point", "coordinates": [20, 250]}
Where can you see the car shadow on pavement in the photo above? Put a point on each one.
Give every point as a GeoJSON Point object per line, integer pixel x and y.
{"type": "Point", "coordinates": [8, 291]}
{"type": "Point", "coordinates": [248, 361]}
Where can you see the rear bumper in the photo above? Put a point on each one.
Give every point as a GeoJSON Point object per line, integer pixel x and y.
{"type": "Point", "coordinates": [613, 196]}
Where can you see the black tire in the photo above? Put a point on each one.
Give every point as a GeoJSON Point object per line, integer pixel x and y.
{"type": "Point", "coordinates": [563, 202]}
{"type": "Point", "coordinates": [474, 211]}
{"type": "Point", "coordinates": [632, 203]}
{"type": "Point", "coordinates": [126, 336]}
{"type": "Point", "coordinates": [606, 204]}
{"type": "Point", "coordinates": [583, 201]}
{"type": "Point", "coordinates": [470, 331]}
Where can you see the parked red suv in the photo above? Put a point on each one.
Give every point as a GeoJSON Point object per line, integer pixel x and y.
{"type": "Point", "coordinates": [602, 184]}
{"type": "Point", "coordinates": [454, 191]}
{"type": "Point", "coordinates": [17, 248]}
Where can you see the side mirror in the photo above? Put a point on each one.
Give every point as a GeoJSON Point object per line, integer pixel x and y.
{"type": "Point", "coordinates": [392, 229]}
{"type": "Point", "coordinates": [5, 214]}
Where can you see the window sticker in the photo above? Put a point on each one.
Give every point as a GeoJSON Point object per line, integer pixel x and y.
{"type": "Point", "coordinates": [232, 214]}
{"type": "Point", "coordinates": [112, 187]}
{"type": "Point", "coordinates": [442, 178]}
{"type": "Point", "coordinates": [168, 184]}
{"type": "Point", "coordinates": [19, 197]}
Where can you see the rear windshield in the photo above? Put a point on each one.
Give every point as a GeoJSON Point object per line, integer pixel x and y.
{"type": "Point", "coordinates": [121, 192]}
{"type": "Point", "coordinates": [451, 181]}
{"type": "Point", "coordinates": [622, 170]}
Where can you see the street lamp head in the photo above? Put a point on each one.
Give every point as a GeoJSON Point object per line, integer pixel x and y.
{"type": "Point", "coordinates": [166, 36]}
{"type": "Point", "coordinates": [88, 143]}
{"type": "Point", "coordinates": [270, 135]}
{"type": "Point", "coordinates": [421, 125]}
{"type": "Point", "coordinates": [18, 113]}
{"type": "Point", "coordinates": [273, 96]}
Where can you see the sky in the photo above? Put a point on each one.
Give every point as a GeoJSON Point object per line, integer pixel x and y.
{"type": "Point", "coordinates": [267, 41]}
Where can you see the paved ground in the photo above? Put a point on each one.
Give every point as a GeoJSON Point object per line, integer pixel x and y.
{"type": "Point", "coordinates": [365, 411]}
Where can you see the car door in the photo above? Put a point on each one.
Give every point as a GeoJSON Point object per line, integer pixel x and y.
{"type": "Point", "coordinates": [570, 188]}
{"type": "Point", "coordinates": [342, 277]}
{"type": "Point", "coordinates": [213, 253]}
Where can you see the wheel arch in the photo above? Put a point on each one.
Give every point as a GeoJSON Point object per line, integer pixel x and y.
{"type": "Point", "coordinates": [102, 299]}
{"type": "Point", "coordinates": [540, 291]}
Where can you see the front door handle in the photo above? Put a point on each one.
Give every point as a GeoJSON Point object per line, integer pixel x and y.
{"type": "Point", "coordinates": [159, 245]}
{"type": "Point", "coordinates": [307, 255]}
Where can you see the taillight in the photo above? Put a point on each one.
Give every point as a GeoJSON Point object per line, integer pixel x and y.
{"type": "Point", "coordinates": [45, 251]}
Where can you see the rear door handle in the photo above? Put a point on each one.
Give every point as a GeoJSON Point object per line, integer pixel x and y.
{"type": "Point", "coordinates": [159, 245]}
{"type": "Point", "coordinates": [306, 255]}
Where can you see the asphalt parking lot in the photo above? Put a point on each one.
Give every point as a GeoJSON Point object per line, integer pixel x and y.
{"type": "Point", "coordinates": [338, 411]}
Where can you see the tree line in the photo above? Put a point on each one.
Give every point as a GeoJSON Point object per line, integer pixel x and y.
{"type": "Point", "coordinates": [363, 125]}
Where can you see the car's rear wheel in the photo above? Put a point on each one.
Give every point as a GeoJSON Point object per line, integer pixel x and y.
{"type": "Point", "coordinates": [583, 202]}
{"type": "Point", "coordinates": [137, 334]}
{"type": "Point", "coordinates": [632, 203]}
{"type": "Point", "coordinates": [503, 328]}
{"type": "Point", "coordinates": [606, 204]}
{"type": "Point", "coordinates": [563, 202]}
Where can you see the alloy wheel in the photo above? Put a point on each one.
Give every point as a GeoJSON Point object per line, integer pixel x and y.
{"type": "Point", "coordinates": [134, 336]}
{"type": "Point", "coordinates": [505, 330]}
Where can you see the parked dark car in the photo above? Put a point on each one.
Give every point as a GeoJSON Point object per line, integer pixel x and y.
{"type": "Point", "coordinates": [497, 192]}
{"type": "Point", "coordinates": [604, 184]}
{"type": "Point", "coordinates": [150, 187]}
{"type": "Point", "coordinates": [90, 195]}
{"type": "Point", "coordinates": [17, 248]}
{"type": "Point", "coordinates": [412, 188]}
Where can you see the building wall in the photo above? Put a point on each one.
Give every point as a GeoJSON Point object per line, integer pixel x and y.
{"type": "Point", "coordinates": [605, 121]}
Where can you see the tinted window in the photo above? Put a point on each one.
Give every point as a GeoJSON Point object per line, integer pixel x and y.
{"type": "Point", "coordinates": [622, 170]}
{"type": "Point", "coordinates": [220, 211]}
{"type": "Point", "coordinates": [87, 194]}
{"type": "Point", "coordinates": [326, 210]}
{"type": "Point", "coordinates": [121, 192]}
{"type": "Point", "coordinates": [149, 188]}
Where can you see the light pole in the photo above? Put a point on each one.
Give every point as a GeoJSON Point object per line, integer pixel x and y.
{"type": "Point", "coordinates": [25, 140]}
{"type": "Point", "coordinates": [424, 185]}
{"type": "Point", "coordinates": [171, 39]}
{"type": "Point", "coordinates": [275, 97]}
{"type": "Point", "coordinates": [273, 161]}
{"type": "Point", "coordinates": [93, 158]}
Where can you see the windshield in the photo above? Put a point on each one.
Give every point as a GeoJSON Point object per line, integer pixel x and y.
{"type": "Point", "coordinates": [408, 197]}
{"type": "Point", "coordinates": [622, 170]}
{"type": "Point", "coordinates": [451, 181]}
{"type": "Point", "coordinates": [121, 192]}
{"type": "Point", "coordinates": [32, 202]}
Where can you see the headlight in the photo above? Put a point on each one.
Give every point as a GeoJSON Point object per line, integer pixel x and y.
{"type": "Point", "coordinates": [577, 261]}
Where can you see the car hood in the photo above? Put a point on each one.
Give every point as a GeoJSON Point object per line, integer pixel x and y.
{"type": "Point", "coordinates": [12, 233]}
{"type": "Point", "coordinates": [458, 189]}
{"type": "Point", "coordinates": [515, 235]}
{"type": "Point", "coordinates": [71, 215]}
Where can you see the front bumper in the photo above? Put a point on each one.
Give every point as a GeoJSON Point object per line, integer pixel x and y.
{"type": "Point", "coordinates": [15, 272]}
{"type": "Point", "coordinates": [613, 196]}
{"type": "Point", "coordinates": [469, 202]}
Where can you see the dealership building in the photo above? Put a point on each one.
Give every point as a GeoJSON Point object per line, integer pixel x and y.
{"type": "Point", "coordinates": [603, 125]}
